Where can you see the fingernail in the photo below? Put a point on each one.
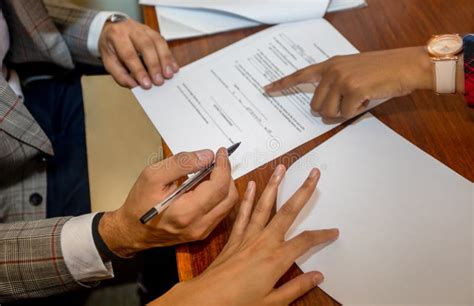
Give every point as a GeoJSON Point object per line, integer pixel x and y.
{"type": "Point", "coordinates": [146, 82]}
{"type": "Point", "coordinates": [272, 94]}
{"type": "Point", "coordinates": [318, 278]}
{"type": "Point", "coordinates": [278, 171]}
{"type": "Point", "coordinates": [250, 186]}
{"type": "Point", "coordinates": [133, 84]}
{"type": "Point", "coordinates": [315, 113]}
{"type": "Point", "coordinates": [314, 172]}
{"type": "Point", "coordinates": [159, 78]}
{"type": "Point", "coordinates": [168, 71]}
{"type": "Point", "coordinates": [224, 151]}
{"type": "Point", "coordinates": [204, 155]}
{"type": "Point", "coordinates": [175, 67]}
{"type": "Point", "coordinates": [267, 87]}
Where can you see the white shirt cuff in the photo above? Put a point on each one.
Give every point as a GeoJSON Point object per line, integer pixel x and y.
{"type": "Point", "coordinates": [95, 30]}
{"type": "Point", "coordinates": [80, 253]}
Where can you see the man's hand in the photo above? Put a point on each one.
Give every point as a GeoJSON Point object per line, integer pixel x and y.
{"type": "Point", "coordinates": [256, 255]}
{"type": "Point", "coordinates": [347, 83]}
{"type": "Point", "coordinates": [192, 216]}
{"type": "Point", "coordinates": [134, 54]}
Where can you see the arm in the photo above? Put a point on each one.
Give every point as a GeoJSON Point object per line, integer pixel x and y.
{"type": "Point", "coordinates": [346, 83]}
{"type": "Point", "coordinates": [47, 257]}
{"type": "Point", "coordinates": [31, 260]}
{"type": "Point", "coordinates": [74, 24]}
{"type": "Point", "coordinates": [118, 45]}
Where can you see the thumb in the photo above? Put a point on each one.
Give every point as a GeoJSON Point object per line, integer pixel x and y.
{"type": "Point", "coordinates": [182, 164]}
{"type": "Point", "coordinates": [295, 288]}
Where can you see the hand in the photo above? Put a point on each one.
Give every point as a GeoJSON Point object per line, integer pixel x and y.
{"type": "Point", "coordinates": [121, 44]}
{"type": "Point", "coordinates": [192, 216]}
{"type": "Point", "coordinates": [256, 255]}
{"type": "Point", "coordinates": [347, 83]}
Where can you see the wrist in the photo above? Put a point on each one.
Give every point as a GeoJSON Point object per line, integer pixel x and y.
{"type": "Point", "coordinates": [425, 76]}
{"type": "Point", "coordinates": [113, 230]}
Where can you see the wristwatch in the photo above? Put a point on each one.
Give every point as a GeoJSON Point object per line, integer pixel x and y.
{"type": "Point", "coordinates": [444, 51]}
{"type": "Point", "coordinates": [114, 18]}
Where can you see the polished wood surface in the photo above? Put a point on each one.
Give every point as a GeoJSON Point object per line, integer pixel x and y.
{"type": "Point", "coordinates": [442, 126]}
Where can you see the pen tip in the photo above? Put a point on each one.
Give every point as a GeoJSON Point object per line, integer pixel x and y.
{"type": "Point", "coordinates": [233, 147]}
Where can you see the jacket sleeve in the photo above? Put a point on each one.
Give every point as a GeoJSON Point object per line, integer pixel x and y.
{"type": "Point", "coordinates": [31, 260]}
{"type": "Point", "coordinates": [74, 23]}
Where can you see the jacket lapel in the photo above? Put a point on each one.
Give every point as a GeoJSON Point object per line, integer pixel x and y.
{"type": "Point", "coordinates": [16, 120]}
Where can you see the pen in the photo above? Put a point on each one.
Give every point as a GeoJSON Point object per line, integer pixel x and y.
{"type": "Point", "coordinates": [187, 185]}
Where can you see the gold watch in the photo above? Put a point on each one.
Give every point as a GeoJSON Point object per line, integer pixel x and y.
{"type": "Point", "coordinates": [444, 51]}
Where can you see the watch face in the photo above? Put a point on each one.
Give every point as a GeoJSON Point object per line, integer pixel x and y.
{"type": "Point", "coordinates": [114, 18]}
{"type": "Point", "coordinates": [445, 45]}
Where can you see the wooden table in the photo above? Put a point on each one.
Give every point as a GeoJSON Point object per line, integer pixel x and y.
{"type": "Point", "coordinates": [442, 126]}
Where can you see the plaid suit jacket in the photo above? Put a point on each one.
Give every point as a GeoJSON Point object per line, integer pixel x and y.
{"type": "Point", "coordinates": [31, 261]}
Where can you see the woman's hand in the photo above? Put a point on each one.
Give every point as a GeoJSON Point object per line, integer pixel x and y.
{"type": "Point", "coordinates": [347, 83]}
{"type": "Point", "coordinates": [256, 255]}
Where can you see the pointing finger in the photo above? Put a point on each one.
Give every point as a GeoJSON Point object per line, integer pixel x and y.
{"type": "Point", "coordinates": [311, 74]}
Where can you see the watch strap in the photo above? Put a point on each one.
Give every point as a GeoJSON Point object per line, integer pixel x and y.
{"type": "Point", "coordinates": [445, 72]}
{"type": "Point", "coordinates": [469, 69]}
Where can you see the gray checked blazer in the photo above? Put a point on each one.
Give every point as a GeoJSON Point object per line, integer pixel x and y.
{"type": "Point", "coordinates": [31, 261]}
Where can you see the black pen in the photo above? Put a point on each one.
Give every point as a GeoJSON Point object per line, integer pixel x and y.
{"type": "Point", "coordinates": [188, 184]}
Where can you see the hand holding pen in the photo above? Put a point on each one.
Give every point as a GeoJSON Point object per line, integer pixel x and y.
{"type": "Point", "coordinates": [192, 216]}
{"type": "Point", "coordinates": [186, 186]}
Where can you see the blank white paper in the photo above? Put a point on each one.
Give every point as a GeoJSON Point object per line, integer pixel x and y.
{"type": "Point", "coordinates": [406, 220]}
{"type": "Point", "coordinates": [184, 19]}
{"type": "Point", "coordinates": [178, 23]}
{"type": "Point", "coordinates": [262, 11]}
{"type": "Point", "coordinates": [341, 5]}
{"type": "Point", "coordinates": [219, 100]}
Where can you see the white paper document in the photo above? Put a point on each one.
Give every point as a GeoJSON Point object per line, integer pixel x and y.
{"type": "Point", "coordinates": [178, 23]}
{"type": "Point", "coordinates": [190, 18]}
{"type": "Point", "coordinates": [405, 220]}
{"type": "Point", "coordinates": [262, 11]}
{"type": "Point", "coordinates": [340, 5]}
{"type": "Point", "coordinates": [219, 100]}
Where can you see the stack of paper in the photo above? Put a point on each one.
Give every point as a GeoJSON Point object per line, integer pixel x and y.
{"type": "Point", "coordinates": [190, 18]}
{"type": "Point", "coordinates": [406, 220]}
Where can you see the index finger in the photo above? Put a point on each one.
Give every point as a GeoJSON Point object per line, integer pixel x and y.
{"type": "Point", "coordinates": [171, 169]}
{"type": "Point", "coordinates": [310, 74]}
{"type": "Point", "coordinates": [288, 212]}
{"type": "Point", "coordinates": [213, 191]}
{"type": "Point", "coordinates": [128, 55]}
